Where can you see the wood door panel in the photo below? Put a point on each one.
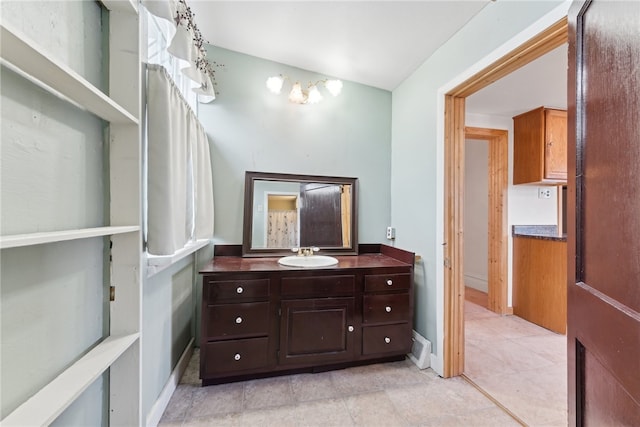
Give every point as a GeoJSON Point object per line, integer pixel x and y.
{"type": "Point", "coordinates": [604, 214]}
{"type": "Point", "coordinates": [606, 403]}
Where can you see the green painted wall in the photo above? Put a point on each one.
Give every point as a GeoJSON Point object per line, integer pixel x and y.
{"type": "Point", "coordinates": [252, 129]}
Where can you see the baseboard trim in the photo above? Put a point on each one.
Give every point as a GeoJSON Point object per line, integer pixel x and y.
{"type": "Point", "coordinates": [153, 418]}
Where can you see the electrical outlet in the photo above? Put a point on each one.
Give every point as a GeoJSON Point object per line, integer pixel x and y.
{"type": "Point", "coordinates": [391, 233]}
{"type": "Point", "coordinates": [544, 193]}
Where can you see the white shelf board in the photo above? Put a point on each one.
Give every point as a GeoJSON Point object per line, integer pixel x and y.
{"type": "Point", "coordinates": [127, 6]}
{"type": "Point", "coordinates": [32, 60]}
{"type": "Point", "coordinates": [47, 404]}
{"type": "Point", "coordinates": [17, 240]}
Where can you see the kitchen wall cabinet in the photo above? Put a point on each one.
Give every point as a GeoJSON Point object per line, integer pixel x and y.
{"type": "Point", "coordinates": [540, 147]}
{"type": "Point", "coordinates": [260, 318]}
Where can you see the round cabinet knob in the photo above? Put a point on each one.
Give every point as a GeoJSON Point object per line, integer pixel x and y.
{"type": "Point", "coordinates": [387, 309]}
{"type": "Point", "coordinates": [238, 320]}
{"type": "Point", "coordinates": [386, 339]}
{"type": "Point", "coordinates": [389, 282]}
{"type": "Point", "coordinates": [237, 356]}
{"type": "Point", "coordinates": [350, 328]}
{"type": "Point", "coordinates": [239, 290]}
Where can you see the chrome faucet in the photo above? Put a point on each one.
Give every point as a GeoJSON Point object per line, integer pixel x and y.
{"type": "Point", "coordinates": [308, 251]}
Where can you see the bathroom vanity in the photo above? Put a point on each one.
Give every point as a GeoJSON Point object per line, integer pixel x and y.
{"type": "Point", "coordinates": [260, 318]}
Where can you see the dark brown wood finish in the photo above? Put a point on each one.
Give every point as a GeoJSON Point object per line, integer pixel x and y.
{"type": "Point", "coordinates": [604, 214]}
{"type": "Point", "coordinates": [344, 315]}
{"type": "Point", "coordinates": [321, 215]}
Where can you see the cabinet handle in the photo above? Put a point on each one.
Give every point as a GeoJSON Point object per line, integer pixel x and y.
{"type": "Point", "coordinates": [237, 356]}
{"type": "Point", "coordinates": [387, 340]}
{"type": "Point", "coordinates": [239, 290]}
{"type": "Point", "coordinates": [389, 282]}
{"type": "Point", "coordinates": [387, 309]}
{"type": "Point", "coordinates": [238, 320]}
{"type": "Point", "coordinates": [350, 328]}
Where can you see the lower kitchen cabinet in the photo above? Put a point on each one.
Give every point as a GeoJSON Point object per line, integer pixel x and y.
{"type": "Point", "coordinates": [261, 319]}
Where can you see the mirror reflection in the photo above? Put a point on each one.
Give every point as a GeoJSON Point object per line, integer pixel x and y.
{"type": "Point", "coordinates": [283, 211]}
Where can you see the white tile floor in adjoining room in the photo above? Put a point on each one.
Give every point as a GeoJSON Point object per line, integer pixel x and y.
{"type": "Point", "coordinates": [521, 365]}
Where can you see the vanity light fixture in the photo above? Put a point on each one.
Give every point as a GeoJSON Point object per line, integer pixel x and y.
{"type": "Point", "coordinates": [310, 95]}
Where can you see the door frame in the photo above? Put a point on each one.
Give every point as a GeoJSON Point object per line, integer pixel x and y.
{"type": "Point", "coordinates": [454, 136]}
{"type": "Point", "coordinates": [498, 179]}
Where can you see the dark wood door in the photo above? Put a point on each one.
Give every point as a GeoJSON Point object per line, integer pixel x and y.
{"type": "Point", "coordinates": [604, 214]}
{"type": "Point", "coordinates": [321, 215]}
{"type": "Point", "coordinates": [317, 330]}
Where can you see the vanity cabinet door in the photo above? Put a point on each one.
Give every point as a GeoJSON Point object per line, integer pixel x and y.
{"type": "Point", "coordinates": [316, 330]}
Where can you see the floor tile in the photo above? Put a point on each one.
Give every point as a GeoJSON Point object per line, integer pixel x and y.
{"type": "Point", "coordinates": [215, 400]}
{"type": "Point", "coordinates": [268, 392]}
{"type": "Point", "coordinates": [306, 387]}
{"type": "Point", "coordinates": [321, 413]}
{"type": "Point", "coordinates": [374, 409]}
{"type": "Point", "coordinates": [283, 416]}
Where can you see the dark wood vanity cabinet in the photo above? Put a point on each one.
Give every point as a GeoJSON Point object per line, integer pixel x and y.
{"type": "Point", "coordinates": [259, 318]}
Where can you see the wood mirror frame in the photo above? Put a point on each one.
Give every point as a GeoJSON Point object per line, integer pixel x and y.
{"type": "Point", "coordinates": [339, 220]}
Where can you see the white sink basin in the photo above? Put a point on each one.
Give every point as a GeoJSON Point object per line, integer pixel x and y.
{"type": "Point", "coordinates": [311, 261]}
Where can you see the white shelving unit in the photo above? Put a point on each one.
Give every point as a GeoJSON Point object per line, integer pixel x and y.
{"type": "Point", "coordinates": [17, 240]}
{"type": "Point", "coordinates": [46, 405]}
{"type": "Point", "coordinates": [120, 351]}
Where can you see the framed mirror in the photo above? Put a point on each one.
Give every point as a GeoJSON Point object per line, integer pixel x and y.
{"type": "Point", "coordinates": [283, 211]}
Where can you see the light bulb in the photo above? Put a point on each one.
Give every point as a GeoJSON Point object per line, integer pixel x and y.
{"type": "Point", "coordinates": [314, 95]}
{"type": "Point", "coordinates": [334, 87]}
{"type": "Point", "coordinates": [296, 94]}
{"type": "Point", "coordinates": [274, 84]}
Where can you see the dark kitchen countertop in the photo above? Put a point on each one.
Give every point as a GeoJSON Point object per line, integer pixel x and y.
{"type": "Point", "coordinates": [544, 232]}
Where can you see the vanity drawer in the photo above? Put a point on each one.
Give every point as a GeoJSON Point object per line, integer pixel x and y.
{"type": "Point", "coordinates": [323, 286]}
{"type": "Point", "coordinates": [225, 357]}
{"type": "Point", "coordinates": [386, 339]}
{"type": "Point", "coordinates": [237, 320]}
{"type": "Point", "coordinates": [236, 290]}
{"type": "Point", "coordinates": [386, 282]}
{"type": "Point", "coordinates": [385, 308]}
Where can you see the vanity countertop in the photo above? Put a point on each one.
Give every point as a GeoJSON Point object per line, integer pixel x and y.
{"type": "Point", "coordinates": [543, 232]}
{"type": "Point", "coordinates": [370, 256]}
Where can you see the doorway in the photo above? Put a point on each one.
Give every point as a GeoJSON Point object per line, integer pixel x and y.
{"type": "Point", "coordinates": [455, 133]}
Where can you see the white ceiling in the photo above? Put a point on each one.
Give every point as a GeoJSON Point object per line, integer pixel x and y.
{"type": "Point", "coordinates": [542, 82]}
{"type": "Point", "coordinates": [376, 43]}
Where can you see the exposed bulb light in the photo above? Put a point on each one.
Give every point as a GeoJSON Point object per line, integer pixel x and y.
{"type": "Point", "coordinates": [299, 96]}
{"type": "Point", "coordinates": [314, 95]}
{"type": "Point", "coordinates": [274, 84]}
{"type": "Point", "coordinates": [333, 86]}
{"type": "Point", "coordinates": [296, 96]}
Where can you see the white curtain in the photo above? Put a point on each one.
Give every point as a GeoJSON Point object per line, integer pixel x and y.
{"type": "Point", "coordinates": [282, 229]}
{"type": "Point", "coordinates": [203, 185]}
{"type": "Point", "coordinates": [185, 43]}
{"type": "Point", "coordinates": [179, 187]}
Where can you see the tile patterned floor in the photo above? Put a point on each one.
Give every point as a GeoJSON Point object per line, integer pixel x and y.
{"type": "Point", "coordinates": [521, 365]}
{"type": "Point", "coordinates": [390, 394]}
